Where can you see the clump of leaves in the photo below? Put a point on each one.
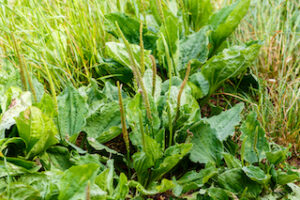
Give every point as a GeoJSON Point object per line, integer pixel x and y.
{"type": "Point", "coordinates": [170, 61]}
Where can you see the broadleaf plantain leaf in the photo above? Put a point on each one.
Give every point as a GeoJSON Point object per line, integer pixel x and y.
{"type": "Point", "coordinates": [72, 112]}
{"type": "Point", "coordinates": [226, 121]}
{"type": "Point", "coordinates": [206, 145]}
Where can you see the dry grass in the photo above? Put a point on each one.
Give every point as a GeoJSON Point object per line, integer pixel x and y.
{"type": "Point", "coordinates": [278, 24]}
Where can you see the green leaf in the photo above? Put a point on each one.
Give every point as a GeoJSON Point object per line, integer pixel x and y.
{"type": "Point", "coordinates": [119, 53]}
{"type": "Point", "coordinates": [15, 102]}
{"type": "Point", "coordinates": [16, 166]}
{"type": "Point", "coordinates": [231, 161]}
{"type": "Point", "coordinates": [9, 76]}
{"type": "Point", "coordinates": [72, 112]}
{"type": "Point", "coordinates": [98, 146]}
{"type": "Point", "coordinates": [148, 82]}
{"type": "Point", "coordinates": [105, 179]}
{"type": "Point", "coordinates": [276, 157]}
{"type": "Point", "coordinates": [37, 130]}
{"type": "Point", "coordinates": [104, 123]}
{"type": "Point", "coordinates": [58, 157]}
{"type": "Point", "coordinates": [45, 183]}
{"type": "Point", "coordinates": [74, 181]}
{"type": "Point", "coordinates": [199, 12]}
{"type": "Point", "coordinates": [118, 71]}
{"type": "Point", "coordinates": [95, 98]}
{"type": "Point", "coordinates": [295, 194]}
{"type": "Point", "coordinates": [170, 30]}
{"type": "Point", "coordinates": [171, 157]}
{"type": "Point", "coordinates": [193, 180]}
{"type": "Point", "coordinates": [194, 47]}
{"type": "Point", "coordinates": [111, 92]}
{"type": "Point", "coordinates": [256, 174]}
{"type": "Point", "coordinates": [122, 188]}
{"type": "Point", "coordinates": [218, 193]}
{"type": "Point", "coordinates": [236, 181]}
{"type": "Point", "coordinates": [20, 191]}
{"type": "Point", "coordinates": [206, 146]}
{"type": "Point", "coordinates": [152, 149]}
{"type": "Point", "coordinates": [226, 121]}
{"type": "Point", "coordinates": [289, 177]}
{"type": "Point", "coordinates": [47, 105]}
{"type": "Point", "coordinates": [228, 64]}
{"type": "Point", "coordinates": [141, 164]}
{"type": "Point", "coordinates": [254, 140]}
{"type": "Point", "coordinates": [131, 29]}
{"type": "Point", "coordinates": [199, 85]}
{"type": "Point", "coordinates": [154, 188]}
{"type": "Point", "coordinates": [227, 19]}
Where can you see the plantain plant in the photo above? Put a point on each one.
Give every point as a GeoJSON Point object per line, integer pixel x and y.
{"type": "Point", "coordinates": [137, 129]}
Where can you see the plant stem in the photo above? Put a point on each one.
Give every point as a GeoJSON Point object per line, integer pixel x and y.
{"type": "Point", "coordinates": [142, 49]}
{"type": "Point", "coordinates": [52, 87]}
{"type": "Point", "coordinates": [22, 71]}
{"type": "Point", "coordinates": [187, 73]}
{"type": "Point", "coordinates": [154, 71]}
{"type": "Point", "coordinates": [30, 82]}
{"type": "Point", "coordinates": [123, 122]}
{"type": "Point", "coordinates": [136, 73]}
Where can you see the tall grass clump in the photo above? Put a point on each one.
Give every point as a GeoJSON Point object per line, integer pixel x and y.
{"type": "Point", "coordinates": [277, 23]}
{"type": "Point", "coordinates": [66, 35]}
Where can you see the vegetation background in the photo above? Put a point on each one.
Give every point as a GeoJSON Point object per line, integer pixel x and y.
{"type": "Point", "coordinates": [81, 134]}
{"type": "Point", "coordinates": [60, 37]}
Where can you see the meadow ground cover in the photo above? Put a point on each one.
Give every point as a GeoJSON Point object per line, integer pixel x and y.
{"type": "Point", "coordinates": [139, 99]}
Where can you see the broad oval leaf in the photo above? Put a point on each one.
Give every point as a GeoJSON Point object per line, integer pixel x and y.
{"type": "Point", "coordinates": [37, 130]}
{"type": "Point", "coordinates": [72, 112]}
{"type": "Point", "coordinates": [255, 144]}
{"type": "Point", "coordinates": [256, 174]}
{"type": "Point", "coordinates": [226, 121]}
{"type": "Point", "coordinates": [227, 19]}
{"type": "Point", "coordinates": [228, 64]}
{"type": "Point", "coordinates": [74, 181]}
{"type": "Point", "coordinates": [206, 145]}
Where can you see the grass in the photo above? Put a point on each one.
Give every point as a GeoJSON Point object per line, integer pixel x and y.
{"type": "Point", "coordinates": [68, 38]}
{"type": "Point", "coordinates": [277, 23]}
